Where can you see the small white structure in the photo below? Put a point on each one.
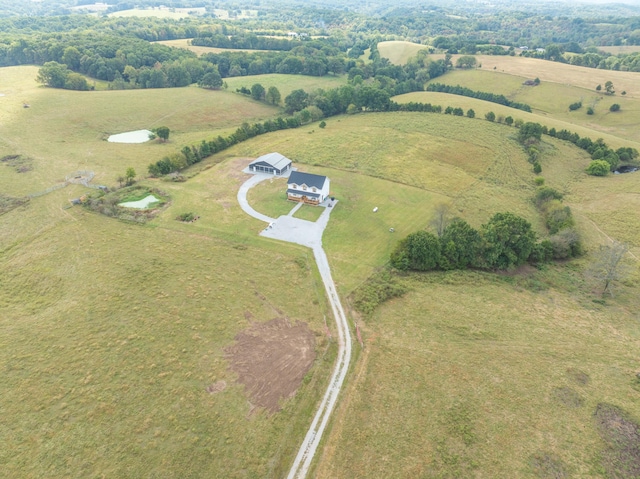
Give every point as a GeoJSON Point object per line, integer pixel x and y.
{"type": "Point", "coordinates": [307, 188]}
{"type": "Point", "coordinates": [272, 163]}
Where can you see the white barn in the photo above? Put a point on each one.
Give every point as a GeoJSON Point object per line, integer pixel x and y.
{"type": "Point", "coordinates": [307, 188]}
{"type": "Point", "coordinates": [272, 163]}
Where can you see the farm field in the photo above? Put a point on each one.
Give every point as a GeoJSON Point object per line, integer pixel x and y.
{"type": "Point", "coordinates": [474, 375]}
{"type": "Point", "coordinates": [543, 99]}
{"type": "Point", "coordinates": [71, 138]}
{"type": "Point", "coordinates": [186, 44]}
{"type": "Point", "coordinates": [589, 129]}
{"type": "Point", "coordinates": [399, 52]}
{"type": "Point", "coordinates": [287, 83]}
{"type": "Point", "coordinates": [123, 344]}
{"type": "Point", "coordinates": [117, 342]}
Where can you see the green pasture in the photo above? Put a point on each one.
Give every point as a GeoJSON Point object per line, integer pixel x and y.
{"type": "Point", "coordinates": [615, 137]}
{"type": "Point", "coordinates": [64, 131]}
{"type": "Point", "coordinates": [474, 375]}
{"type": "Point", "coordinates": [399, 52]}
{"type": "Point", "coordinates": [111, 333]}
{"type": "Point", "coordinates": [287, 83]}
{"type": "Point", "coordinates": [553, 100]}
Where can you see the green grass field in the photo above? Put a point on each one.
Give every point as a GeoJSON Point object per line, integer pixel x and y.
{"type": "Point", "coordinates": [473, 375]}
{"type": "Point", "coordinates": [111, 332]}
{"type": "Point", "coordinates": [399, 52]}
{"type": "Point", "coordinates": [544, 100]}
{"type": "Point", "coordinates": [287, 83]}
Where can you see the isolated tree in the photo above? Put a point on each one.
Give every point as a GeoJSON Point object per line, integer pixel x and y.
{"type": "Point", "coordinates": [322, 124]}
{"type": "Point", "coordinates": [471, 113]}
{"type": "Point", "coordinates": [441, 218]}
{"type": "Point", "coordinates": [162, 132]}
{"type": "Point", "coordinates": [120, 179]}
{"type": "Point", "coordinates": [608, 86]}
{"type": "Point", "coordinates": [599, 168]}
{"type": "Point", "coordinates": [130, 175]}
{"type": "Point", "coordinates": [599, 88]}
{"type": "Point", "coordinates": [590, 111]}
{"type": "Point", "coordinates": [491, 116]}
{"type": "Point", "coordinates": [211, 80]}
{"type": "Point", "coordinates": [508, 121]}
{"type": "Point", "coordinates": [608, 267]}
{"type": "Point", "coordinates": [509, 241]}
{"type": "Point", "coordinates": [273, 96]}
{"type": "Point", "coordinates": [257, 92]}
{"type": "Point", "coordinates": [615, 107]}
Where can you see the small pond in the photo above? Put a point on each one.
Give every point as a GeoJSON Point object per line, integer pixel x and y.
{"type": "Point", "coordinates": [138, 136]}
{"type": "Point", "coordinates": [140, 204]}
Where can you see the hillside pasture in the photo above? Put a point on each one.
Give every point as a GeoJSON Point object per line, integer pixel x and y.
{"type": "Point", "coordinates": [287, 83]}
{"type": "Point", "coordinates": [582, 77]}
{"type": "Point", "coordinates": [620, 49]}
{"type": "Point", "coordinates": [399, 52]}
{"type": "Point", "coordinates": [160, 12]}
{"type": "Point", "coordinates": [473, 375]}
{"type": "Point", "coordinates": [589, 129]}
{"type": "Point", "coordinates": [115, 344]}
{"type": "Point", "coordinates": [70, 138]}
{"type": "Point", "coordinates": [544, 100]}
{"type": "Point", "coordinates": [198, 50]}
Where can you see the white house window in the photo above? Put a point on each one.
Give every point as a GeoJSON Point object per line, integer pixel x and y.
{"type": "Point", "coordinates": [295, 186]}
{"type": "Point", "coordinates": [314, 189]}
{"type": "Point", "coordinates": [304, 187]}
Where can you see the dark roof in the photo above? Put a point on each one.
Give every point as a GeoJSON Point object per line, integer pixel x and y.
{"type": "Point", "coordinates": [304, 193]}
{"type": "Point", "coordinates": [309, 179]}
{"type": "Point", "coordinates": [275, 160]}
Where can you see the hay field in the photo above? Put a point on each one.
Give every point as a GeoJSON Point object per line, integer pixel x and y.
{"type": "Point", "coordinates": [473, 375]}
{"type": "Point", "coordinates": [582, 77]}
{"type": "Point", "coordinates": [620, 49]}
{"type": "Point", "coordinates": [186, 44]}
{"type": "Point", "coordinates": [160, 12]}
{"type": "Point", "coordinates": [399, 52]}
{"type": "Point", "coordinates": [111, 334]}
{"type": "Point", "coordinates": [63, 138]}
{"type": "Point", "coordinates": [287, 83]}
{"type": "Point", "coordinates": [551, 102]}
{"type": "Point", "coordinates": [620, 130]}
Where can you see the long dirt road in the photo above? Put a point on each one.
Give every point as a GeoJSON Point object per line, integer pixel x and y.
{"type": "Point", "coordinates": [307, 233]}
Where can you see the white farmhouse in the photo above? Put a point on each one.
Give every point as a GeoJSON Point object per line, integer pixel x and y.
{"type": "Point", "coordinates": [307, 188]}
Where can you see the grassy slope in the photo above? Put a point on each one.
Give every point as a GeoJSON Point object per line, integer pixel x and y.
{"type": "Point", "coordinates": [70, 138]}
{"type": "Point", "coordinates": [399, 52]}
{"type": "Point", "coordinates": [287, 83]}
{"type": "Point", "coordinates": [186, 44]}
{"type": "Point", "coordinates": [469, 376]}
{"type": "Point", "coordinates": [544, 100]}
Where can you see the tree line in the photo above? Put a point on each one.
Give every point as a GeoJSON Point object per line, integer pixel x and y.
{"type": "Point", "coordinates": [481, 95]}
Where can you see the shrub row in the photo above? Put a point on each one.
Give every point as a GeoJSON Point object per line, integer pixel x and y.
{"type": "Point", "coordinates": [481, 95]}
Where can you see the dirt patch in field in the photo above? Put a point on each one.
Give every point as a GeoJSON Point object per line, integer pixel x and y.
{"type": "Point", "coordinates": [621, 432]}
{"type": "Point", "coordinates": [271, 359]}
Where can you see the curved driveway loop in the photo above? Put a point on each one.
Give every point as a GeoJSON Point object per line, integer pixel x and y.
{"type": "Point", "coordinates": [308, 233]}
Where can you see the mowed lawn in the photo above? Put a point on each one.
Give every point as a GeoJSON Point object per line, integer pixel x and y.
{"type": "Point", "coordinates": [111, 333]}
{"type": "Point", "coordinates": [474, 375]}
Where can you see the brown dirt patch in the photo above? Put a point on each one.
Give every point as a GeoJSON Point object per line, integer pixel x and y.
{"type": "Point", "coordinates": [621, 432]}
{"type": "Point", "coordinates": [271, 359]}
{"type": "Point", "coordinates": [217, 387]}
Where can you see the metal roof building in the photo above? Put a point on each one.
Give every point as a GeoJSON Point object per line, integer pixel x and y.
{"type": "Point", "coordinates": [272, 163]}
